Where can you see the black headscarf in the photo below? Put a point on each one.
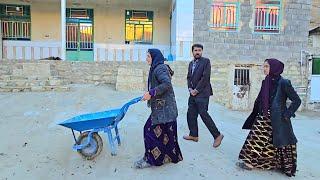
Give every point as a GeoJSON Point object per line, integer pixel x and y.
{"type": "Point", "coordinates": [157, 59]}
{"type": "Point", "coordinates": [276, 69]}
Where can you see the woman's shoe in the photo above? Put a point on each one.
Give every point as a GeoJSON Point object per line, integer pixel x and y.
{"type": "Point", "coordinates": [141, 164]}
{"type": "Point", "coordinates": [243, 166]}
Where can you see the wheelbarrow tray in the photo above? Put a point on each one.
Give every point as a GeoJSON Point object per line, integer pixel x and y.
{"type": "Point", "coordinates": [92, 120]}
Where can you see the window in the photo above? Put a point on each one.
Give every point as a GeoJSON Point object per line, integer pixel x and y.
{"type": "Point", "coordinates": [225, 16]}
{"type": "Point", "coordinates": [79, 13]}
{"type": "Point", "coordinates": [16, 22]}
{"type": "Point", "coordinates": [241, 77]}
{"type": "Point", "coordinates": [139, 26]}
{"type": "Point", "coordinates": [267, 16]}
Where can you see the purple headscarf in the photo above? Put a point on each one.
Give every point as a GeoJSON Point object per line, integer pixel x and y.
{"type": "Point", "coordinates": [276, 69]}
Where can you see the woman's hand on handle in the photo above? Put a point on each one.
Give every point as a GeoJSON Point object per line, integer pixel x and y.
{"type": "Point", "coordinates": [146, 96]}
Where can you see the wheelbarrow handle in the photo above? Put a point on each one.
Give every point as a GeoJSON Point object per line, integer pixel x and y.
{"type": "Point", "coordinates": [125, 107]}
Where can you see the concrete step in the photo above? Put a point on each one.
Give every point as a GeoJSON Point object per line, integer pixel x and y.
{"type": "Point", "coordinates": [11, 77]}
{"type": "Point", "coordinates": [33, 88]}
{"type": "Point", "coordinates": [27, 82]}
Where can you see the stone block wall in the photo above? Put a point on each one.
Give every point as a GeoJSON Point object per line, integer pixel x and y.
{"type": "Point", "coordinates": [247, 45]}
{"type": "Point", "coordinates": [132, 76]}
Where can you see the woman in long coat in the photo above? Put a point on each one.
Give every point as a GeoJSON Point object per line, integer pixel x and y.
{"type": "Point", "coordinates": [160, 130]}
{"type": "Point", "coordinates": [271, 143]}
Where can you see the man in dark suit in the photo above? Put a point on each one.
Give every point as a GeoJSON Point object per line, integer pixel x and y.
{"type": "Point", "coordinates": [200, 90]}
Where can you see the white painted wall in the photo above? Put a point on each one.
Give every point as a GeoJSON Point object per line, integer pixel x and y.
{"type": "Point", "coordinates": [315, 84]}
{"type": "Point", "coordinates": [30, 49]}
{"type": "Point", "coordinates": [118, 52]}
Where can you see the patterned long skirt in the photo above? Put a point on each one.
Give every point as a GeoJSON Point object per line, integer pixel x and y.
{"type": "Point", "coordinates": [161, 143]}
{"type": "Point", "coordinates": [259, 152]}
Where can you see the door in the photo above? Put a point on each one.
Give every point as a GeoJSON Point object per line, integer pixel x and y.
{"type": "Point", "coordinates": [79, 32]}
{"type": "Point", "coordinates": [315, 80]}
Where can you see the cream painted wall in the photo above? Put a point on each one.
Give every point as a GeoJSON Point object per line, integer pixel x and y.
{"type": "Point", "coordinates": [45, 22]}
{"type": "Point", "coordinates": [110, 24]}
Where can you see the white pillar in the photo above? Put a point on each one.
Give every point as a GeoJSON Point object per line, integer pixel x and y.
{"type": "Point", "coordinates": [63, 29]}
{"type": "Point", "coordinates": [182, 29]}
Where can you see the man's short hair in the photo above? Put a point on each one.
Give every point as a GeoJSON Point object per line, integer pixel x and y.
{"type": "Point", "coordinates": [197, 45]}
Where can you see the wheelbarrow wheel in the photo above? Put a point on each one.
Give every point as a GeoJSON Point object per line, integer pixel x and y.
{"type": "Point", "coordinates": [93, 149]}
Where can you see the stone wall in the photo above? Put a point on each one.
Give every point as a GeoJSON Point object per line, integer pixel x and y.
{"type": "Point", "coordinates": [247, 45]}
{"type": "Point", "coordinates": [31, 76]}
{"type": "Point", "coordinates": [132, 76]}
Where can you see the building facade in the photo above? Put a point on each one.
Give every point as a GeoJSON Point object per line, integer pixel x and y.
{"type": "Point", "coordinates": [243, 33]}
{"type": "Point", "coordinates": [101, 30]}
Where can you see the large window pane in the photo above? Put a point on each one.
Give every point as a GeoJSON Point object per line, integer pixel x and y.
{"type": "Point", "coordinates": [139, 32]}
{"type": "Point", "coordinates": [139, 26]}
{"type": "Point", "coordinates": [148, 33]}
{"type": "Point", "coordinates": [130, 32]}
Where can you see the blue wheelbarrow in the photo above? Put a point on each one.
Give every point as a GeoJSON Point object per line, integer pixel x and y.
{"type": "Point", "coordinates": [89, 143]}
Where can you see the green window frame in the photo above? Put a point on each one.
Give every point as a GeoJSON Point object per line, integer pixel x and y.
{"type": "Point", "coordinates": [79, 29]}
{"type": "Point", "coordinates": [316, 66]}
{"type": "Point", "coordinates": [138, 26]}
{"type": "Point", "coordinates": [15, 22]}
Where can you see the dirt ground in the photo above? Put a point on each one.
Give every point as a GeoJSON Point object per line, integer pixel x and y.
{"type": "Point", "coordinates": [33, 146]}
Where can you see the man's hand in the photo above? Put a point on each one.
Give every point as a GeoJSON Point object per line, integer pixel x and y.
{"type": "Point", "coordinates": [146, 96]}
{"type": "Point", "coordinates": [193, 92]}
{"type": "Point", "coordinates": [286, 118]}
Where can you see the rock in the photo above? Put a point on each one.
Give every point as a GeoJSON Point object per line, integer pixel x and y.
{"type": "Point", "coordinates": [15, 90]}
{"type": "Point", "coordinates": [25, 144]}
{"type": "Point", "coordinates": [36, 88]}
{"type": "Point", "coordinates": [54, 82]}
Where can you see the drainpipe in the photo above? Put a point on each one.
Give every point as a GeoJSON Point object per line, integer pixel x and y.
{"type": "Point", "coordinates": [63, 29]}
{"type": "Point", "coordinates": [1, 41]}
{"type": "Point", "coordinates": [301, 63]}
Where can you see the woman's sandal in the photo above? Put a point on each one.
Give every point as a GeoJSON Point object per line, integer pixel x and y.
{"type": "Point", "coordinates": [141, 164]}
{"type": "Point", "coordinates": [243, 166]}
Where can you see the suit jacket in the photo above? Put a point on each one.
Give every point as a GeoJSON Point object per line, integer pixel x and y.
{"type": "Point", "coordinates": [200, 78]}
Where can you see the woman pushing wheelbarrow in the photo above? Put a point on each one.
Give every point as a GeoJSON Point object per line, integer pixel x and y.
{"type": "Point", "coordinates": [160, 130]}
